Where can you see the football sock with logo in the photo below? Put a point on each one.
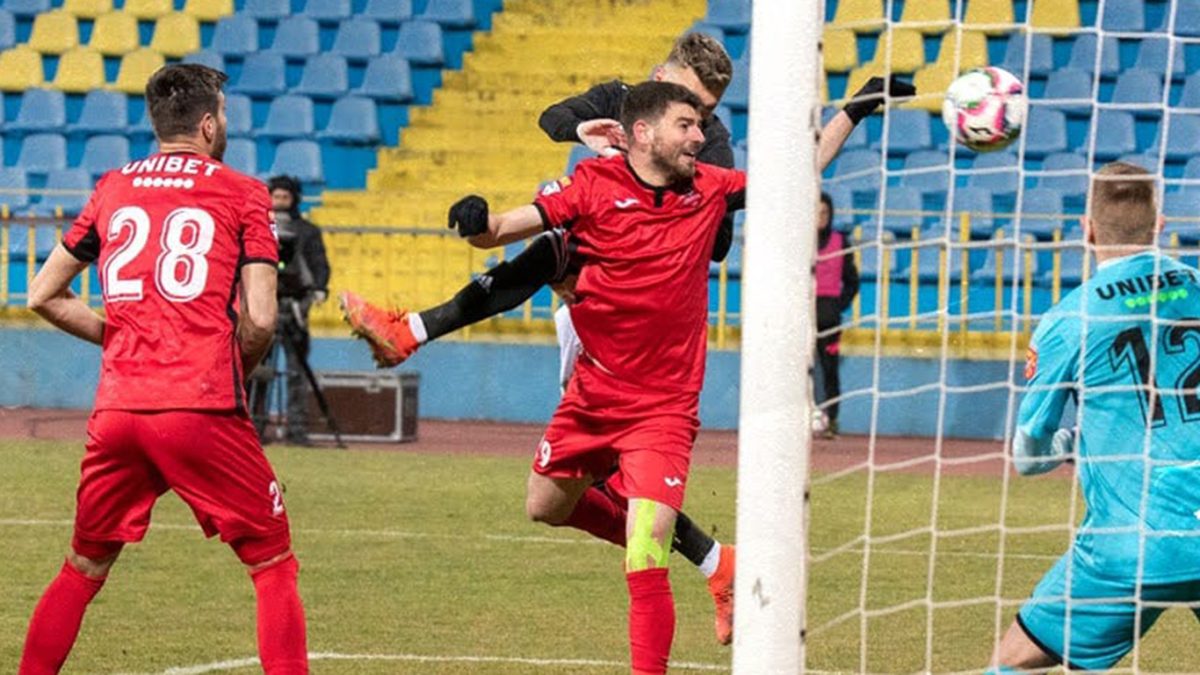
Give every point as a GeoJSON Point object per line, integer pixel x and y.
{"type": "Point", "coordinates": [56, 621]}
{"type": "Point", "coordinates": [651, 620]}
{"type": "Point", "coordinates": [694, 544]}
{"type": "Point", "coordinates": [282, 644]}
{"type": "Point", "coordinates": [597, 514]}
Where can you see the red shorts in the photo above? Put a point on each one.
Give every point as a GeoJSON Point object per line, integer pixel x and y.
{"type": "Point", "coordinates": [212, 460]}
{"type": "Point", "coordinates": [600, 423]}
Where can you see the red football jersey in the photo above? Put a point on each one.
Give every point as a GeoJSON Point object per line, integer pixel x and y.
{"type": "Point", "coordinates": [642, 294]}
{"type": "Point", "coordinates": [170, 234]}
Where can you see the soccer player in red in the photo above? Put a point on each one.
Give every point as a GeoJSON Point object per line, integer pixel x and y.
{"type": "Point", "coordinates": [643, 228]}
{"type": "Point", "coordinates": [187, 260]}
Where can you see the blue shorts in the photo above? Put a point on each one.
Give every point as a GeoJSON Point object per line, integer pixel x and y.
{"type": "Point", "coordinates": [1103, 613]}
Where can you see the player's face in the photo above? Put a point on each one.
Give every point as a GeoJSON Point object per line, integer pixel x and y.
{"type": "Point", "coordinates": [686, 77]}
{"type": "Point", "coordinates": [675, 140]}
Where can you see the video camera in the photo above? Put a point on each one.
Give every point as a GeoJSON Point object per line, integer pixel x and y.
{"type": "Point", "coordinates": [295, 276]}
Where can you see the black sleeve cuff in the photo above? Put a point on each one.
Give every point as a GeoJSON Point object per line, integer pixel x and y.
{"type": "Point", "coordinates": [546, 225]}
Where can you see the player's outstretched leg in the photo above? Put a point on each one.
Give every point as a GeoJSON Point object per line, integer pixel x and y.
{"type": "Point", "coordinates": [649, 528]}
{"type": "Point", "coordinates": [388, 332]}
{"type": "Point", "coordinates": [59, 614]}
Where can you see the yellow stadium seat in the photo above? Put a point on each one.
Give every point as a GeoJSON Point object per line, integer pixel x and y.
{"type": "Point", "coordinates": [933, 14]}
{"type": "Point", "coordinates": [136, 69]}
{"type": "Point", "coordinates": [115, 34]}
{"type": "Point", "coordinates": [208, 10]}
{"type": "Point", "coordinates": [87, 9]}
{"type": "Point", "coordinates": [905, 49]}
{"type": "Point", "coordinates": [54, 32]}
{"type": "Point", "coordinates": [971, 53]}
{"type": "Point", "coordinates": [148, 9]}
{"type": "Point", "coordinates": [931, 83]}
{"type": "Point", "coordinates": [839, 48]}
{"type": "Point", "coordinates": [20, 69]}
{"type": "Point", "coordinates": [176, 35]}
{"type": "Point", "coordinates": [861, 16]}
{"type": "Point", "coordinates": [80, 70]}
{"type": "Point", "coordinates": [990, 13]}
{"type": "Point", "coordinates": [1050, 15]}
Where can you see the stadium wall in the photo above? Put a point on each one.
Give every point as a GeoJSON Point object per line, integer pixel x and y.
{"type": "Point", "coordinates": [517, 383]}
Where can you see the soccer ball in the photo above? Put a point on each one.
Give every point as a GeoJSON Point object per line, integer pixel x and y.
{"type": "Point", "coordinates": [985, 109]}
{"type": "Point", "coordinates": [820, 422]}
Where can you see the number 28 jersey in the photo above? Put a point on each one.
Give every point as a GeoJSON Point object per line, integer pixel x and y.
{"type": "Point", "coordinates": [169, 235]}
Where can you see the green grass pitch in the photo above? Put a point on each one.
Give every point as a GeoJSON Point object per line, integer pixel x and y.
{"type": "Point", "coordinates": [426, 562]}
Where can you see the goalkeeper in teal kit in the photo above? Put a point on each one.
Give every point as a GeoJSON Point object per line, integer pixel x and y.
{"type": "Point", "coordinates": [1126, 348]}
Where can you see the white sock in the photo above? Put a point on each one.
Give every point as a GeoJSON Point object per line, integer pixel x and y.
{"type": "Point", "coordinates": [709, 566]}
{"type": "Point", "coordinates": [417, 326]}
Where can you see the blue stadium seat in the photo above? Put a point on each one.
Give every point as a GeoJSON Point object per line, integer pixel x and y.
{"type": "Point", "coordinates": [902, 209]}
{"type": "Point", "coordinates": [1187, 18]}
{"type": "Point", "coordinates": [1138, 86]}
{"type": "Point", "coordinates": [262, 75]}
{"type": "Point", "coordinates": [1183, 206]}
{"type": "Point", "coordinates": [327, 10]}
{"type": "Point", "coordinates": [387, 78]}
{"type": "Point", "coordinates": [297, 37]}
{"type": "Point", "coordinates": [1045, 131]}
{"type": "Point", "coordinates": [858, 169]}
{"type": "Point", "coordinates": [142, 128]}
{"type": "Point", "coordinates": [1183, 137]}
{"type": "Point", "coordinates": [737, 94]}
{"type": "Point", "coordinates": [8, 29]}
{"type": "Point", "coordinates": [301, 159]}
{"type": "Point", "coordinates": [207, 57]}
{"type": "Point", "coordinates": [996, 171]}
{"type": "Point", "coordinates": [267, 10]}
{"type": "Point", "coordinates": [843, 203]}
{"type": "Point", "coordinates": [1009, 268]}
{"type": "Point", "coordinates": [977, 203]}
{"type": "Point", "coordinates": [1190, 97]}
{"type": "Point", "coordinates": [77, 183]}
{"type": "Point", "coordinates": [289, 117]}
{"type": "Point", "coordinates": [357, 39]}
{"type": "Point", "coordinates": [242, 155]}
{"type": "Point", "coordinates": [104, 112]}
{"type": "Point", "coordinates": [235, 35]}
{"type": "Point", "coordinates": [1083, 55]}
{"type": "Point", "coordinates": [421, 43]}
{"type": "Point", "coordinates": [352, 120]}
{"type": "Point", "coordinates": [1075, 183]}
{"type": "Point", "coordinates": [1041, 55]}
{"type": "Point", "coordinates": [27, 8]}
{"type": "Point", "coordinates": [325, 77]}
{"type": "Point", "coordinates": [1191, 171]}
{"type": "Point", "coordinates": [1153, 54]}
{"type": "Point", "coordinates": [13, 188]}
{"type": "Point", "coordinates": [103, 153]}
{"type": "Point", "coordinates": [1070, 83]}
{"type": "Point", "coordinates": [715, 32]}
{"type": "Point", "coordinates": [238, 115]}
{"type": "Point", "coordinates": [725, 115]}
{"type": "Point", "coordinates": [451, 13]}
{"type": "Point", "coordinates": [928, 171]}
{"type": "Point", "coordinates": [389, 13]}
{"type": "Point", "coordinates": [740, 158]}
{"type": "Point", "coordinates": [41, 110]}
{"type": "Point", "coordinates": [1072, 264]}
{"type": "Point", "coordinates": [1124, 15]}
{"type": "Point", "coordinates": [908, 131]}
{"type": "Point", "coordinates": [1147, 161]}
{"type": "Point", "coordinates": [1115, 134]}
{"type": "Point", "coordinates": [731, 15]}
{"type": "Point", "coordinates": [1037, 210]}
{"type": "Point", "coordinates": [929, 258]}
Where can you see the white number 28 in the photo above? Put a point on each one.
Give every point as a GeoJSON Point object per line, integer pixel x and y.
{"type": "Point", "coordinates": [181, 270]}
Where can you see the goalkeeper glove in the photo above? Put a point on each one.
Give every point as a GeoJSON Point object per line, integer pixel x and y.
{"type": "Point", "coordinates": [868, 99]}
{"type": "Point", "coordinates": [469, 216]}
{"type": "Point", "coordinates": [1032, 456]}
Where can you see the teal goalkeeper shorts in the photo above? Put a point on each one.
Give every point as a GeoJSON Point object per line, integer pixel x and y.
{"type": "Point", "coordinates": [1103, 615]}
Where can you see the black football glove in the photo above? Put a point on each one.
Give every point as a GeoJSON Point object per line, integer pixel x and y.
{"type": "Point", "coordinates": [469, 216]}
{"type": "Point", "coordinates": [868, 99]}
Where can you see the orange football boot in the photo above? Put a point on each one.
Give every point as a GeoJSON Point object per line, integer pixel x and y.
{"type": "Point", "coordinates": [386, 331]}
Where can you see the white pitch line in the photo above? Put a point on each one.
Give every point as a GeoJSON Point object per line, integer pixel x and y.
{"type": "Point", "coordinates": [520, 539]}
{"type": "Point", "coordinates": [435, 658]}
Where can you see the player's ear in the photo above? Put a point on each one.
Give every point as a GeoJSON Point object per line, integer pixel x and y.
{"type": "Point", "coordinates": [1089, 233]}
{"type": "Point", "coordinates": [1160, 224]}
{"type": "Point", "coordinates": [208, 127]}
{"type": "Point", "coordinates": [643, 132]}
{"type": "Point", "coordinates": [658, 74]}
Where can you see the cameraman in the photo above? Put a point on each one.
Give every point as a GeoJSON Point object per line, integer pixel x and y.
{"type": "Point", "coordinates": [303, 281]}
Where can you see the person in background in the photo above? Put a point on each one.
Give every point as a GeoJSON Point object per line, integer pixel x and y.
{"type": "Point", "coordinates": [837, 284]}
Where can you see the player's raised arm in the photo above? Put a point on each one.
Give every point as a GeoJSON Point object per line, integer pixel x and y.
{"type": "Point", "coordinates": [256, 325]}
{"type": "Point", "coordinates": [50, 296]}
{"type": "Point", "coordinates": [1039, 445]}
{"type": "Point", "coordinates": [470, 217]}
{"type": "Point", "coordinates": [864, 102]}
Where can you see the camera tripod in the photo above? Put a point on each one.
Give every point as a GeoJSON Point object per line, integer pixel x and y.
{"type": "Point", "coordinates": [264, 390]}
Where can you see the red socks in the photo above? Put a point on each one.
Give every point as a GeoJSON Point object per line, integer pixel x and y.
{"type": "Point", "coordinates": [651, 620]}
{"type": "Point", "coordinates": [597, 514]}
{"type": "Point", "coordinates": [56, 620]}
{"type": "Point", "coordinates": [282, 646]}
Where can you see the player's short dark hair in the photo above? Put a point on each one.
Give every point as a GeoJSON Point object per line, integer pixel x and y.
{"type": "Point", "coordinates": [706, 57]}
{"type": "Point", "coordinates": [179, 95]}
{"type": "Point", "coordinates": [1123, 208]}
{"type": "Point", "coordinates": [649, 101]}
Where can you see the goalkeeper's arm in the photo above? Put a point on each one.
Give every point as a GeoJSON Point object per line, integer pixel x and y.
{"type": "Point", "coordinates": [1033, 455]}
{"type": "Point", "coordinates": [864, 102]}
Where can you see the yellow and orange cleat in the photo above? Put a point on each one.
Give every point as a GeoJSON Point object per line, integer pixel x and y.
{"type": "Point", "coordinates": [386, 331]}
{"type": "Point", "coordinates": [720, 586]}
